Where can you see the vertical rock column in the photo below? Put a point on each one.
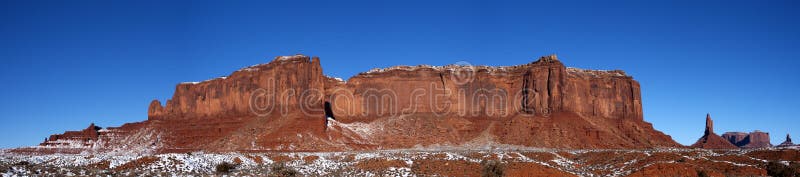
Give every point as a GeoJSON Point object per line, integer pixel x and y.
{"type": "Point", "coordinates": [541, 90]}
{"type": "Point", "coordinates": [709, 125]}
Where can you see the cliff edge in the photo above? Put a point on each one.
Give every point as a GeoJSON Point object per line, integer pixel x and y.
{"type": "Point", "coordinates": [288, 104]}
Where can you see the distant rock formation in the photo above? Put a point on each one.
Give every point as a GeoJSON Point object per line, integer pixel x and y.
{"type": "Point", "coordinates": [787, 143]}
{"type": "Point", "coordinates": [95, 138]}
{"type": "Point", "coordinates": [284, 105]}
{"type": "Point", "coordinates": [711, 140]}
{"type": "Point", "coordinates": [755, 139]}
{"type": "Point", "coordinates": [735, 137]}
{"type": "Point", "coordinates": [70, 137]}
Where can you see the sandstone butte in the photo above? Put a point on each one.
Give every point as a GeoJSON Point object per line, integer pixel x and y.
{"type": "Point", "coordinates": [288, 104]}
{"type": "Point", "coordinates": [755, 139]}
{"type": "Point", "coordinates": [711, 140]}
{"type": "Point", "coordinates": [787, 142]}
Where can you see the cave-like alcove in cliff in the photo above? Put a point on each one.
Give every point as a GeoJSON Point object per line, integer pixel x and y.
{"type": "Point", "coordinates": [328, 110]}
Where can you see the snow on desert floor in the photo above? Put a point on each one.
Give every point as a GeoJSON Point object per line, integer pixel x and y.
{"type": "Point", "coordinates": [530, 162]}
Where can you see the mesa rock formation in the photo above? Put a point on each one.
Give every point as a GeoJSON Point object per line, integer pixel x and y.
{"type": "Point", "coordinates": [711, 140]}
{"type": "Point", "coordinates": [288, 104]}
{"type": "Point", "coordinates": [755, 139]}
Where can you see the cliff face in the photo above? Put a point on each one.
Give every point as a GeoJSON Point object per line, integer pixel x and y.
{"type": "Point", "coordinates": [735, 137]}
{"type": "Point", "coordinates": [539, 88]}
{"type": "Point", "coordinates": [252, 108]}
{"type": "Point", "coordinates": [461, 91]}
{"type": "Point", "coordinates": [756, 139]}
{"type": "Point", "coordinates": [288, 104]}
{"type": "Point", "coordinates": [230, 96]}
{"type": "Point", "coordinates": [540, 104]}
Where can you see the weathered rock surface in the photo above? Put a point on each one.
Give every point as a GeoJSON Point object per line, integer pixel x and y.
{"type": "Point", "coordinates": [756, 139]}
{"type": "Point", "coordinates": [289, 105]}
{"type": "Point", "coordinates": [267, 106]}
{"type": "Point", "coordinates": [711, 140]}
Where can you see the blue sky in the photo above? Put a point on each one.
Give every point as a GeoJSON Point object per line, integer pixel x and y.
{"type": "Point", "coordinates": [66, 64]}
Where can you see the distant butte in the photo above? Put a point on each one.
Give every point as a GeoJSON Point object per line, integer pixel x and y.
{"type": "Point", "coordinates": [787, 143]}
{"type": "Point", "coordinates": [711, 140]}
{"type": "Point", "coordinates": [755, 139]}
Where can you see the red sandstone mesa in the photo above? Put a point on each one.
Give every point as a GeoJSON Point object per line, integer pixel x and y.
{"type": "Point", "coordinates": [284, 105]}
{"type": "Point", "coordinates": [756, 139]}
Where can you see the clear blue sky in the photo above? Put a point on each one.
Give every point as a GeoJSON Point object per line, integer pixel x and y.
{"type": "Point", "coordinates": [66, 64]}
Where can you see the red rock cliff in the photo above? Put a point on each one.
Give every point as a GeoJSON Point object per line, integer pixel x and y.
{"type": "Point", "coordinates": [283, 105]}
{"type": "Point", "coordinates": [542, 104]}
{"type": "Point", "coordinates": [253, 108]}
{"type": "Point", "coordinates": [756, 139]}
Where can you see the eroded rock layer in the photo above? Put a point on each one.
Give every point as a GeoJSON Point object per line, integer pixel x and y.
{"type": "Point", "coordinates": [289, 105]}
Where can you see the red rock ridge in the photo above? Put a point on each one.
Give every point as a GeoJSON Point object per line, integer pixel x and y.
{"type": "Point", "coordinates": [84, 136]}
{"type": "Point", "coordinates": [282, 106]}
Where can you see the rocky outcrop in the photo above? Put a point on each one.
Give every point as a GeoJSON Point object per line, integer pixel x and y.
{"type": "Point", "coordinates": [289, 105]}
{"type": "Point", "coordinates": [735, 137]}
{"type": "Point", "coordinates": [787, 142]}
{"type": "Point", "coordinates": [711, 140]}
{"type": "Point", "coordinates": [756, 139]}
{"type": "Point", "coordinates": [84, 137]}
